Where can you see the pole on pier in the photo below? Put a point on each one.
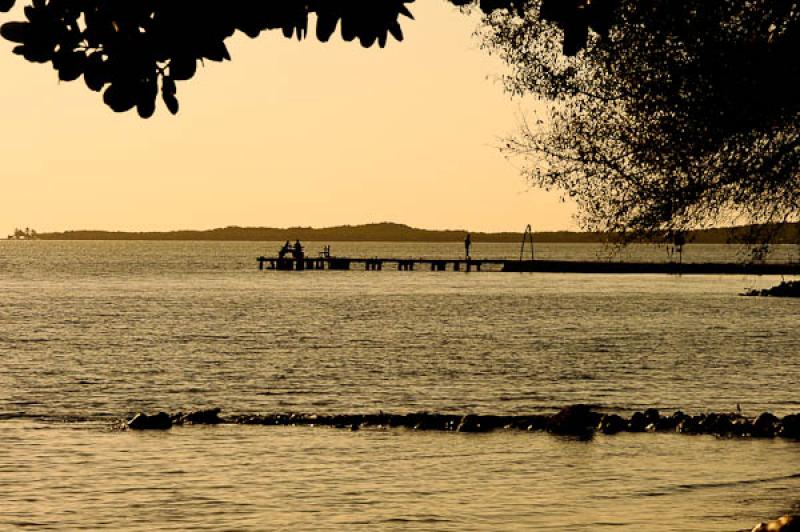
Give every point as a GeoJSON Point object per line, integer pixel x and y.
{"type": "Point", "coordinates": [526, 236]}
{"type": "Point", "coordinates": [261, 263]}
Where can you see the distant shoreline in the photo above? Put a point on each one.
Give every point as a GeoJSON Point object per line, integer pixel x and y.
{"type": "Point", "coordinates": [392, 232]}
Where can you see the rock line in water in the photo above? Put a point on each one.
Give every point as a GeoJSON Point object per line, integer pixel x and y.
{"type": "Point", "coordinates": [575, 420]}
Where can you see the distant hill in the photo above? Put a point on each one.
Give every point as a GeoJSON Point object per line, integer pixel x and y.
{"type": "Point", "coordinates": [378, 232]}
{"type": "Point", "coordinates": [392, 232]}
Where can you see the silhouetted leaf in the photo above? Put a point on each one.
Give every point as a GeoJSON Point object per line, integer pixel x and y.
{"type": "Point", "coordinates": [216, 51]}
{"type": "Point", "coordinates": [36, 52]}
{"type": "Point", "coordinates": [70, 65]}
{"type": "Point", "coordinates": [396, 31]}
{"type": "Point", "coordinates": [182, 67]}
{"type": "Point", "coordinates": [120, 96]}
{"type": "Point", "coordinates": [6, 5]}
{"type": "Point", "coordinates": [168, 85]}
{"type": "Point", "coordinates": [146, 106]}
{"type": "Point", "coordinates": [171, 102]}
{"type": "Point", "coordinates": [16, 31]}
{"type": "Point", "coordinates": [326, 24]}
{"type": "Point", "coordinates": [95, 74]}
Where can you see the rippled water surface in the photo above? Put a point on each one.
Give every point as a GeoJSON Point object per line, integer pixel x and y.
{"type": "Point", "coordinates": [91, 332]}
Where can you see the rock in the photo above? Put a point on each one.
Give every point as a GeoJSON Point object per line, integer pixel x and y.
{"type": "Point", "coordinates": [575, 420]}
{"type": "Point", "coordinates": [141, 421]}
{"type": "Point", "coordinates": [348, 421]}
{"type": "Point", "coordinates": [377, 420]}
{"type": "Point", "coordinates": [689, 425]}
{"type": "Point", "coordinates": [471, 423]}
{"type": "Point", "coordinates": [638, 422]}
{"type": "Point", "coordinates": [782, 524]}
{"type": "Point", "coordinates": [531, 423]}
{"type": "Point", "coordinates": [742, 427]}
{"type": "Point", "coordinates": [790, 426]}
{"type": "Point", "coordinates": [785, 289]}
{"type": "Point", "coordinates": [434, 422]}
{"type": "Point", "coordinates": [719, 424]}
{"type": "Point", "coordinates": [765, 425]}
{"type": "Point", "coordinates": [652, 415]}
{"type": "Point", "coordinates": [202, 417]}
{"type": "Point", "coordinates": [489, 422]}
{"type": "Point", "coordinates": [612, 424]}
{"type": "Point", "coordinates": [678, 416]}
{"type": "Point", "coordinates": [666, 423]}
{"type": "Point", "coordinates": [397, 420]}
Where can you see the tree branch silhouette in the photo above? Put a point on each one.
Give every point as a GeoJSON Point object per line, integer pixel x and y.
{"type": "Point", "coordinates": [133, 50]}
{"type": "Point", "coordinates": [684, 113]}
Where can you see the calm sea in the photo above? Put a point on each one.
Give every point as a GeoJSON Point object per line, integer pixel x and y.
{"type": "Point", "coordinates": [91, 332]}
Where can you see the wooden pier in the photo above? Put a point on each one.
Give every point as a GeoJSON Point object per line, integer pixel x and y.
{"type": "Point", "coordinates": [537, 266]}
{"type": "Point", "coordinates": [375, 264]}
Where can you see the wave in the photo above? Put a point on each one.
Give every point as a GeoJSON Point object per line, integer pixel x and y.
{"type": "Point", "coordinates": [715, 485]}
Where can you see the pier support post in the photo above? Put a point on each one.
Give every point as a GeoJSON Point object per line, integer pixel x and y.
{"type": "Point", "coordinates": [438, 266]}
{"type": "Point", "coordinates": [338, 264]}
{"type": "Point", "coordinates": [261, 263]}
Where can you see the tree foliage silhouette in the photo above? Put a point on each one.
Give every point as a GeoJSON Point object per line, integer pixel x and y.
{"type": "Point", "coordinates": [677, 114]}
{"type": "Point", "coordinates": [133, 50]}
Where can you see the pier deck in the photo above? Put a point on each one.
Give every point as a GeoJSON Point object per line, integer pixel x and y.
{"type": "Point", "coordinates": [511, 265]}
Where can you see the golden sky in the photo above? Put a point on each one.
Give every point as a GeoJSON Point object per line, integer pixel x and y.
{"type": "Point", "coordinates": [286, 134]}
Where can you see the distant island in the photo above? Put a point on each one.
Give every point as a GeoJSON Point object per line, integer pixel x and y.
{"type": "Point", "coordinates": [393, 232]}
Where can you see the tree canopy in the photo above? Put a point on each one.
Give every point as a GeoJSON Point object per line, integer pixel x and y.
{"type": "Point", "coordinates": [131, 51]}
{"type": "Point", "coordinates": [677, 114]}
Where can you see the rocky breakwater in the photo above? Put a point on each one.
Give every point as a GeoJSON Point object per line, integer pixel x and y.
{"type": "Point", "coordinates": [164, 421]}
{"type": "Point", "coordinates": [575, 420]}
{"type": "Point", "coordinates": [785, 289]}
{"type": "Point", "coordinates": [787, 523]}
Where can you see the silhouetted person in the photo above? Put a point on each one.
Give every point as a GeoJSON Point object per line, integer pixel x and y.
{"type": "Point", "coordinates": [284, 250]}
{"type": "Point", "coordinates": [467, 244]}
{"type": "Point", "coordinates": [297, 252]}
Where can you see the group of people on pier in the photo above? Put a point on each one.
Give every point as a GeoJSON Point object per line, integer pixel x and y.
{"type": "Point", "coordinates": [296, 250]}
{"type": "Point", "coordinates": [298, 254]}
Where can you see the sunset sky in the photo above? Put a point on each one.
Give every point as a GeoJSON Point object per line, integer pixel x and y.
{"type": "Point", "coordinates": [286, 134]}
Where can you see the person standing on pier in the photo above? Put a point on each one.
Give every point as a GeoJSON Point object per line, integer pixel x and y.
{"type": "Point", "coordinates": [467, 244]}
{"type": "Point", "coordinates": [284, 250]}
{"type": "Point", "coordinates": [297, 252]}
